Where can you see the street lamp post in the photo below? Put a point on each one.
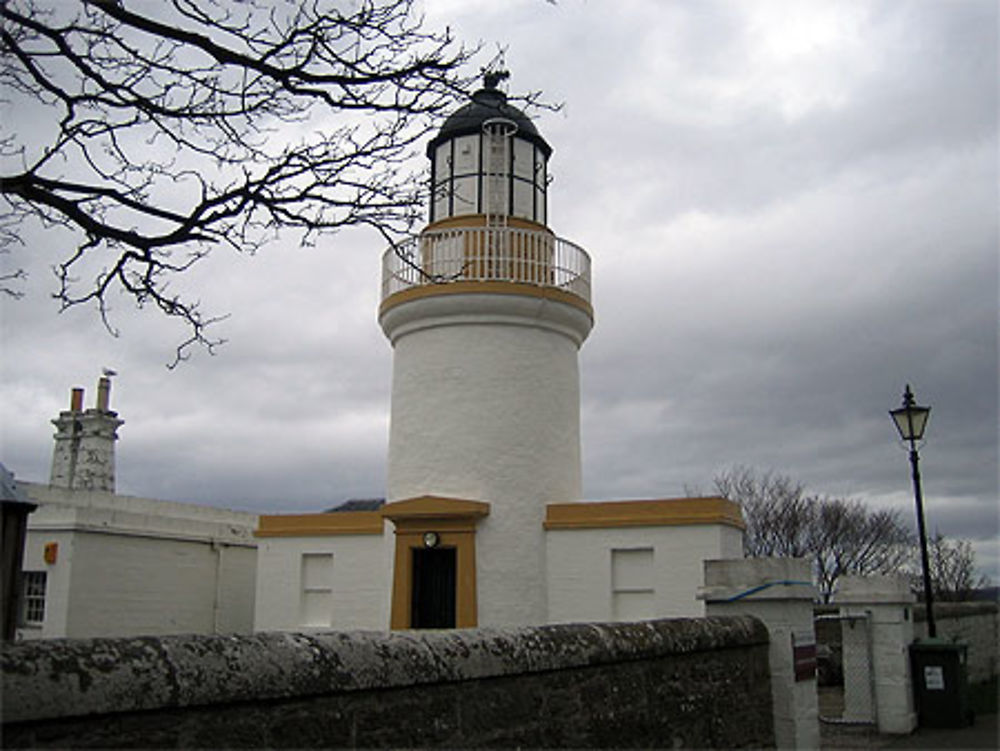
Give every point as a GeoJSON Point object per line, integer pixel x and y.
{"type": "Point", "coordinates": [910, 421]}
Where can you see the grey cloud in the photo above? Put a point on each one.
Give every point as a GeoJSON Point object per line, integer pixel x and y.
{"type": "Point", "coordinates": [765, 282]}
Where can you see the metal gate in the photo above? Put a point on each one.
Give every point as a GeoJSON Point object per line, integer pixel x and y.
{"type": "Point", "coordinates": [845, 674]}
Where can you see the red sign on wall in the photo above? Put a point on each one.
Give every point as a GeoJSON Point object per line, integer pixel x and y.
{"type": "Point", "coordinates": [804, 656]}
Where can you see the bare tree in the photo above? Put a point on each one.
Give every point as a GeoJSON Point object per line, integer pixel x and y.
{"type": "Point", "coordinates": [840, 536]}
{"type": "Point", "coordinates": [777, 513]}
{"type": "Point", "coordinates": [160, 131]}
{"type": "Point", "coordinates": [850, 538]}
{"type": "Point", "coordinates": [953, 569]}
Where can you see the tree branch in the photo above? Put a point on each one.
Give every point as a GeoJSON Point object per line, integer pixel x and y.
{"type": "Point", "coordinates": [192, 125]}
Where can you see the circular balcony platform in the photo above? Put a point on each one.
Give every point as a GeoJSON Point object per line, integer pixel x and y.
{"type": "Point", "coordinates": [489, 259]}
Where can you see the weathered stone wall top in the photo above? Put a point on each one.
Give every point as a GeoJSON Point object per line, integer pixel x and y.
{"type": "Point", "coordinates": [74, 677]}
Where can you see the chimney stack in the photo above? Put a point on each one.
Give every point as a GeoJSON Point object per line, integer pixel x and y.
{"type": "Point", "coordinates": [83, 457]}
{"type": "Point", "coordinates": [103, 393]}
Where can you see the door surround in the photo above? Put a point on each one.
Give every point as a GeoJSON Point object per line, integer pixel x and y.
{"type": "Point", "coordinates": [454, 520]}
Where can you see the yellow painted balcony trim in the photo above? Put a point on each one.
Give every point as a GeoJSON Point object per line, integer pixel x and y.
{"type": "Point", "coordinates": [481, 220]}
{"type": "Point", "coordinates": [485, 288]}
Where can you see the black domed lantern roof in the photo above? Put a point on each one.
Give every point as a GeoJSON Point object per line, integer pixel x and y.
{"type": "Point", "coordinates": [488, 104]}
{"type": "Point", "coordinates": [489, 160]}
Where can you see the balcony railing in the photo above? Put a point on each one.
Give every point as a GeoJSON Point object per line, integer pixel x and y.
{"type": "Point", "coordinates": [486, 254]}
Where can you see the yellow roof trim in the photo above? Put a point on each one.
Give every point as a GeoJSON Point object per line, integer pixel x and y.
{"type": "Point", "coordinates": [434, 507]}
{"type": "Point", "coordinates": [670, 512]}
{"type": "Point", "coordinates": [329, 523]}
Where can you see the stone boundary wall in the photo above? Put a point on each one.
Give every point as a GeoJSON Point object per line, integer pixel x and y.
{"type": "Point", "coordinates": [694, 683]}
{"type": "Point", "coordinates": [974, 623]}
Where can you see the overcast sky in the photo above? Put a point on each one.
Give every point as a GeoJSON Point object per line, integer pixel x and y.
{"type": "Point", "coordinates": [792, 211]}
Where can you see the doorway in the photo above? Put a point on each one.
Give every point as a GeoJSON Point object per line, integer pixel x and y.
{"type": "Point", "coordinates": [845, 669]}
{"type": "Point", "coordinates": [433, 602]}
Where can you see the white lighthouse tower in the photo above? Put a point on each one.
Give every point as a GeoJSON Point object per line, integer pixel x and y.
{"type": "Point", "coordinates": [486, 311]}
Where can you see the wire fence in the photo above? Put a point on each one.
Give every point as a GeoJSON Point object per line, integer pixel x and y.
{"type": "Point", "coordinates": [845, 669]}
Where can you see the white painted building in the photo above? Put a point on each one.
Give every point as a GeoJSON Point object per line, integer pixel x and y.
{"type": "Point", "coordinates": [486, 311]}
{"type": "Point", "coordinates": [611, 561]}
{"type": "Point", "coordinates": [100, 564]}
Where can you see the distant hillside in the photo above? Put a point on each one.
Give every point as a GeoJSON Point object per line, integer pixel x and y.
{"type": "Point", "coordinates": [987, 593]}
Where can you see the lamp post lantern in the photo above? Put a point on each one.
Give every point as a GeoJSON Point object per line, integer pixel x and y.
{"type": "Point", "coordinates": [910, 421]}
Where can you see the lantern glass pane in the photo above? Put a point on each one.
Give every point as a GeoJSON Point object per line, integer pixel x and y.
{"type": "Point", "coordinates": [441, 193]}
{"type": "Point", "coordinates": [920, 415]}
{"type": "Point", "coordinates": [524, 159]}
{"type": "Point", "coordinates": [523, 199]}
{"type": "Point", "coordinates": [467, 155]}
{"type": "Point", "coordinates": [465, 195]}
{"type": "Point", "coordinates": [442, 162]}
{"type": "Point", "coordinates": [911, 422]}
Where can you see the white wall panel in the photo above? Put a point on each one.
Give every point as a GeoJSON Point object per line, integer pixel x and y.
{"type": "Point", "coordinates": [357, 567]}
{"type": "Point", "coordinates": [133, 585]}
{"type": "Point", "coordinates": [583, 578]}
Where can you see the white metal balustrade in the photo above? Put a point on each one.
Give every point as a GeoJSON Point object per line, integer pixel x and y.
{"type": "Point", "coordinates": [483, 254]}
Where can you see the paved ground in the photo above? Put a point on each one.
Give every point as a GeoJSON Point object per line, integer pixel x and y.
{"type": "Point", "coordinates": [983, 734]}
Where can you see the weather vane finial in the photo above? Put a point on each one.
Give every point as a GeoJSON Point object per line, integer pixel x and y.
{"type": "Point", "coordinates": [492, 78]}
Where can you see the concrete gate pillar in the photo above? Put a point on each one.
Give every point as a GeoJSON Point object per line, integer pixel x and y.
{"type": "Point", "coordinates": [888, 603]}
{"type": "Point", "coordinates": [780, 593]}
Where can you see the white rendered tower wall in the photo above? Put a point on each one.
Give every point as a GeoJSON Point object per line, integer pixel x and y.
{"type": "Point", "coordinates": [486, 406]}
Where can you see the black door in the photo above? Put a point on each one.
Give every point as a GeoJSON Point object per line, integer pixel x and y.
{"type": "Point", "coordinates": [433, 588]}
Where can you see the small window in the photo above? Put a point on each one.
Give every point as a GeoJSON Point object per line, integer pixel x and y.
{"type": "Point", "coordinates": [317, 589]}
{"type": "Point", "coordinates": [632, 584]}
{"type": "Point", "coordinates": [33, 594]}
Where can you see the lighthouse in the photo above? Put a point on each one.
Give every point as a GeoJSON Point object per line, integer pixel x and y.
{"type": "Point", "coordinates": [486, 310]}
{"type": "Point", "coordinates": [483, 523]}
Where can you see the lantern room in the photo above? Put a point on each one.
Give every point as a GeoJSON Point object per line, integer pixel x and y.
{"type": "Point", "coordinates": [489, 160]}
{"type": "Point", "coordinates": [488, 215]}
